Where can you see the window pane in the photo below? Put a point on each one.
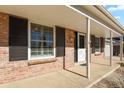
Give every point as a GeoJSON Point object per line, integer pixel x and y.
{"type": "Point", "coordinates": [33, 53]}
{"type": "Point", "coordinates": [46, 50]}
{"type": "Point", "coordinates": [81, 41]}
{"type": "Point", "coordinates": [40, 53]}
{"type": "Point", "coordinates": [51, 51]}
{"type": "Point", "coordinates": [35, 27]}
{"type": "Point", "coordinates": [34, 49]}
{"type": "Point", "coordinates": [41, 40]}
{"type": "Point", "coordinates": [48, 36]}
{"type": "Point", "coordinates": [36, 35]}
{"type": "Point", "coordinates": [48, 44]}
{"type": "Point", "coordinates": [46, 53]}
{"type": "Point", "coordinates": [35, 44]}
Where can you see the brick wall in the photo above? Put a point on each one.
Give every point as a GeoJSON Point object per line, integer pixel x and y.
{"type": "Point", "coordinates": [3, 29]}
{"type": "Point", "coordinates": [97, 58]}
{"type": "Point", "coordinates": [15, 70]}
{"type": "Point", "coordinates": [4, 54]}
{"type": "Point", "coordinates": [12, 71]}
{"type": "Point", "coordinates": [69, 48]}
{"type": "Point", "coordinates": [4, 51]}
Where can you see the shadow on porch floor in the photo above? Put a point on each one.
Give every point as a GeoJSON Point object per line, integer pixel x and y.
{"type": "Point", "coordinates": [74, 77]}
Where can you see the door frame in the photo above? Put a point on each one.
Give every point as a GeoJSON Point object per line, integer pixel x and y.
{"type": "Point", "coordinates": [78, 34]}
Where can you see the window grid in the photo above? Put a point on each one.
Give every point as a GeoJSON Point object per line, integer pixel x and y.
{"type": "Point", "coordinates": [41, 41]}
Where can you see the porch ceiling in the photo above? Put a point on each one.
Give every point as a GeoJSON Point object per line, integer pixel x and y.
{"type": "Point", "coordinates": [100, 31]}
{"type": "Point", "coordinates": [54, 15]}
{"type": "Point", "coordinates": [48, 15]}
{"type": "Point", "coordinates": [102, 15]}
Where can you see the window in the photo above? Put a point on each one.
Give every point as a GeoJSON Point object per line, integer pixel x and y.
{"type": "Point", "coordinates": [97, 44]}
{"type": "Point", "coordinates": [42, 44]}
{"type": "Point", "coordinates": [81, 41]}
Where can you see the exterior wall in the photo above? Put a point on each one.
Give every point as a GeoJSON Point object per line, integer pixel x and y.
{"type": "Point", "coordinates": [15, 70]}
{"type": "Point", "coordinates": [97, 58]}
{"type": "Point", "coordinates": [21, 69]}
{"type": "Point", "coordinates": [107, 49]}
{"type": "Point", "coordinates": [4, 50]}
{"type": "Point", "coordinates": [69, 48]}
{"type": "Point", "coordinates": [4, 54]}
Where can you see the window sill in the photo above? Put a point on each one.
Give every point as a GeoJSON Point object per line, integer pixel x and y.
{"type": "Point", "coordinates": [41, 61]}
{"type": "Point", "coordinates": [97, 53]}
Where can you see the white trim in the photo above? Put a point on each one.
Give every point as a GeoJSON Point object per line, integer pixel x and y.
{"type": "Point", "coordinates": [29, 40]}
{"type": "Point", "coordinates": [81, 60]}
{"type": "Point", "coordinates": [121, 48]}
{"type": "Point", "coordinates": [54, 40]}
{"type": "Point", "coordinates": [91, 18]}
{"type": "Point", "coordinates": [29, 44]}
{"type": "Point", "coordinates": [111, 49]}
{"type": "Point", "coordinates": [88, 54]}
{"type": "Point", "coordinates": [81, 33]}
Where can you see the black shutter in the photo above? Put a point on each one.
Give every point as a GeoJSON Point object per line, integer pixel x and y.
{"type": "Point", "coordinates": [101, 44]}
{"type": "Point", "coordinates": [60, 41]}
{"type": "Point", "coordinates": [93, 43]}
{"type": "Point", "coordinates": [18, 38]}
{"type": "Point", "coordinates": [76, 47]}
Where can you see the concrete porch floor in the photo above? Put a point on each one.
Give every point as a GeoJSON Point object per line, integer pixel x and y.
{"type": "Point", "coordinates": [74, 77]}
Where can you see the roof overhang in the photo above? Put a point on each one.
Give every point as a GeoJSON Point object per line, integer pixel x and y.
{"type": "Point", "coordinates": [49, 15]}
{"type": "Point", "coordinates": [52, 15]}
{"type": "Point", "coordinates": [102, 15]}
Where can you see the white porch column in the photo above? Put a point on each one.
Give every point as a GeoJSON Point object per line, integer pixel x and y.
{"type": "Point", "coordinates": [121, 48]}
{"type": "Point", "coordinates": [88, 47]}
{"type": "Point", "coordinates": [29, 40]}
{"type": "Point", "coordinates": [111, 48]}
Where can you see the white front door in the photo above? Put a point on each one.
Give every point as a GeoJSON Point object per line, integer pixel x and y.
{"type": "Point", "coordinates": [81, 49]}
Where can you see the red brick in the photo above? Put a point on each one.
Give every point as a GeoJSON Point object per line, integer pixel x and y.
{"type": "Point", "coordinates": [10, 71]}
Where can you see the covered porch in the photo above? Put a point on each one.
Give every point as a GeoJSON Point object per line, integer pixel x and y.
{"type": "Point", "coordinates": [98, 59]}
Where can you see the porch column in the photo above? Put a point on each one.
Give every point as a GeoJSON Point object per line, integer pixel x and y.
{"type": "Point", "coordinates": [111, 48]}
{"type": "Point", "coordinates": [121, 48]}
{"type": "Point", "coordinates": [88, 47]}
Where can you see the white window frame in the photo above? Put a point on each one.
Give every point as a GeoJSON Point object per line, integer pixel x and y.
{"type": "Point", "coordinates": [29, 44]}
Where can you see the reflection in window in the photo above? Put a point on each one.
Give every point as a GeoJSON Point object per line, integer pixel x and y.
{"type": "Point", "coordinates": [41, 41]}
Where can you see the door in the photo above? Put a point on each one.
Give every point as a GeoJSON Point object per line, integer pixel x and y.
{"type": "Point", "coordinates": [81, 48]}
{"type": "Point", "coordinates": [107, 49]}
